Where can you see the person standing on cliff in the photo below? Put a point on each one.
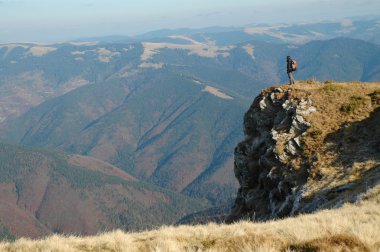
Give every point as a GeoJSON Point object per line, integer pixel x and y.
{"type": "Point", "coordinates": [291, 66]}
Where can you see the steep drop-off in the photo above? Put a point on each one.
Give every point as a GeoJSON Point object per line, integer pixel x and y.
{"type": "Point", "coordinates": [308, 147]}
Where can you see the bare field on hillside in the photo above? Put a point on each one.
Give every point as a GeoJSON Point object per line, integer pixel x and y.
{"type": "Point", "coordinates": [202, 50]}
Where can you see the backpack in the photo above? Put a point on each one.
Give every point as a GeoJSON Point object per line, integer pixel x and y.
{"type": "Point", "coordinates": [294, 65]}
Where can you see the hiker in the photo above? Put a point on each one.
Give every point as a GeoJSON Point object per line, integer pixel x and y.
{"type": "Point", "coordinates": [291, 65]}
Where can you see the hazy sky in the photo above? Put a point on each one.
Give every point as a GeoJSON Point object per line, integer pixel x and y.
{"type": "Point", "coordinates": [60, 20]}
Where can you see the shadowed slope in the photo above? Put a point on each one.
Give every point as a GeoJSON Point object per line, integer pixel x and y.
{"type": "Point", "coordinates": [149, 126]}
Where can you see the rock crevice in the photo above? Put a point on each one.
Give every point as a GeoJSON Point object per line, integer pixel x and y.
{"type": "Point", "coordinates": [268, 163]}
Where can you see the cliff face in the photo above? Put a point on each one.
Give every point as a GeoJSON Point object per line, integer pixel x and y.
{"type": "Point", "coordinates": [294, 158]}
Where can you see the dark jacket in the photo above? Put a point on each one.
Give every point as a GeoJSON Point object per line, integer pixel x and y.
{"type": "Point", "coordinates": [289, 65]}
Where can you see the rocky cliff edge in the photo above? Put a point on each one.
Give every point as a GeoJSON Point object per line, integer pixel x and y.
{"type": "Point", "coordinates": [307, 147]}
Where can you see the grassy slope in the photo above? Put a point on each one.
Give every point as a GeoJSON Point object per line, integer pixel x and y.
{"type": "Point", "coordinates": [341, 148]}
{"type": "Point", "coordinates": [328, 230]}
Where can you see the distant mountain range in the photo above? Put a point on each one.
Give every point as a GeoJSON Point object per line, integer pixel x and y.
{"type": "Point", "coordinates": [31, 73]}
{"type": "Point", "coordinates": [166, 110]}
{"type": "Point", "coordinates": [363, 28]}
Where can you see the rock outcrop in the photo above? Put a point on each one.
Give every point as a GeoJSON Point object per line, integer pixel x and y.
{"type": "Point", "coordinates": [268, 181]}
{"type": "Point", "coordinates": [279, 176]}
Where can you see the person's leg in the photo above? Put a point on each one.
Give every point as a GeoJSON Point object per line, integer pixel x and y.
{"type": "Point", "coordinates": [290, 78]}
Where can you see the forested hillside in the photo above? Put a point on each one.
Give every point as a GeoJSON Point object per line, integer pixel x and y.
{"type": "Point", "coordinates": [43, 192]}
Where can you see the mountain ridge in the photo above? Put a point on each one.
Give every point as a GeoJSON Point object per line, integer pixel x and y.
{"type": "Point", "coordinates": [295, 33]}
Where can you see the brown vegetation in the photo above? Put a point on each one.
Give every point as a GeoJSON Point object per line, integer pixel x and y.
{"type": "Point", "coordinates": [99, 165]}
{"type": "Point", "coordinates": [329, 230]}
{"type": "Point", "coordinates": [342, 144]}
{"type": "Point", "coordinates": [303, 153]}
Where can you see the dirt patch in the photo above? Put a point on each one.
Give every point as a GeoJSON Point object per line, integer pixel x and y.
{"type": "Point", "coordinates": [250, 50]}
{"type": "Point", "coordinates": [39, 51]}
{"type": "Point", "coordinates": [72, 84]}
{"type": "Point", "coordinates": [151, 65]}
{"type": "Point", "coordinates": [202, 50]}
{"type": "Point", "coordinates": [216, 92]}
{"type": "Point", "coordinates": [94, 164]}
{"type": "Point", "coordinates": [287, 37]}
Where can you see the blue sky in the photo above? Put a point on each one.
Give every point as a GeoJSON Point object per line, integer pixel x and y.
{"type": "Point", "coordinates": [60, 20]}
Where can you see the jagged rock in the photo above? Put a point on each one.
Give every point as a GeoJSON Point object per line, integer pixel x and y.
{"type": "Point", "coordinates": [268, 188]}
{"type": "Point", "coordinates": [284, 171]}
{"type": "Point", "coordinates": [291, 148]}
{"type": "Point", "coordinates": [263, 104]}
{"type": "Point", "coordinates": [299, 125]}
{"type": "Point", "coordinates": [297, 141]}
{"type": "Point", "coordinates": [276, 94]}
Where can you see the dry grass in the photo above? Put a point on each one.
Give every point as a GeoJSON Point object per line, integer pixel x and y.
{"type": "Point", "coordinates": [329, 98]}
{"type": "Point", "coordinates": [288, 37]}
{"type": "Point", "coordinates": [351, 228]}
{"type": "Point", "coordinates": [339, 146]}
{"type": "Point", "coordinates": [209, 50]}
{"type": "Point", "coordinates": [250, 50]}
{"type": "Point", "coordinates": [355, 103]}
{"type": "Point", "coordinates": [216, 92]}
{"type": "Point", "coordinates": [39, 51]}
